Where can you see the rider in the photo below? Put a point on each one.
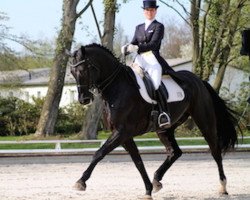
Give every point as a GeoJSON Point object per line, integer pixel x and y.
{"type": "Point", "coordinates": [147, 42]}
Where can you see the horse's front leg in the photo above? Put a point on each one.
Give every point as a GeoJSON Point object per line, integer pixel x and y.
{"type": "Point", "coordinates": [112, 142]}
{"type": "Point", "coordinates": [173, 153]}
{"type": "Point", "coordinates": [131, 147]}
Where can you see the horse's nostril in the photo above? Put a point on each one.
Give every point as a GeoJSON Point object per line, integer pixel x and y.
{"type": "Point", "coordinates": [84, 101]}
{"type": "Point", "coordinates": [87, 101]}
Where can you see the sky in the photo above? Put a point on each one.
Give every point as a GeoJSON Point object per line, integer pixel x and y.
{"type": "Point", "coordinates": [41, 19]}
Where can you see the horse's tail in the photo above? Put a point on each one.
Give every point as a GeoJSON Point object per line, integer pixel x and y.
{"type": "Point", "coordinates": [225, 120]}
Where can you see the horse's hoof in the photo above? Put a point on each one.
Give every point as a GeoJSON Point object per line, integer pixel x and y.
{"type": "Point", "coordinates": [223, 193]}
{"type": "Point", "coordinates": [146, 197]}
{"type": "Point", "coordinates": [156, 186]}
{"type": "Point", "coordinates": [223, 189]}
{"type": "Point", "coordinates": [80, 186]}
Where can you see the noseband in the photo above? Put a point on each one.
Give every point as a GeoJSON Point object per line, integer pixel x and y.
{"type": "Point", "coordinates": [77, 64]}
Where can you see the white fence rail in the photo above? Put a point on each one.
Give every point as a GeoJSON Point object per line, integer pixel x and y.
{"type": "Point", "coordinates": [146, 149]}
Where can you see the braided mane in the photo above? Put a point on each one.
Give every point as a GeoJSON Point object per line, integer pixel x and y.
{"type": "Point", "coordinates": [105, 49]}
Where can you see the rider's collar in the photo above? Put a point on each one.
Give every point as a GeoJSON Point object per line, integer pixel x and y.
{"type": "Point", "coordinates": [147, 23]}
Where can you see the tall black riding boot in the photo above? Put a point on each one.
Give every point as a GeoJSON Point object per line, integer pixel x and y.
{"type": "Point", "coordinates": [163, 119]}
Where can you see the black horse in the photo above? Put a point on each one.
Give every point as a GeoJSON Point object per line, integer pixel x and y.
{"type": "Point", "coordinates": [94, 66]}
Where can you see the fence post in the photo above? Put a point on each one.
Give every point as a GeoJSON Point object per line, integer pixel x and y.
{"type": "Point", "coordinates": [58, 146]}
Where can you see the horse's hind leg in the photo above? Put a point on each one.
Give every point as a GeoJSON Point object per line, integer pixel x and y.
{"type": "Point", "coordinates": [131, 147]}
{"type": "Point", "coordinates": [216, 153]}
{"type": "Point", "coordinates": [173, 153]}
{"type": "Point", "coordinates": [208, 129]}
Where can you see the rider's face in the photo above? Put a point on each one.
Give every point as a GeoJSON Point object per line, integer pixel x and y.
{"type": "Point", "coordinates": [150, 13]}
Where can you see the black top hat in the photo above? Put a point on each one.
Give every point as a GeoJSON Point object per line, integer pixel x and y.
{"type": "Point", "coordinates": [149, 4]}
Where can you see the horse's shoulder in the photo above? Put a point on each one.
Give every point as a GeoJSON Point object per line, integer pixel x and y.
{"type": "Point", "coordinates": [131, 74]}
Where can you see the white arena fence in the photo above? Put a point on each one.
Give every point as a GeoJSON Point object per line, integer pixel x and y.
{"type": "Point", "coordinates": [143, 149]}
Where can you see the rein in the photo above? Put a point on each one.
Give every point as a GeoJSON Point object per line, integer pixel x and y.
{"type": "Point", "coordinates": [110, 79]}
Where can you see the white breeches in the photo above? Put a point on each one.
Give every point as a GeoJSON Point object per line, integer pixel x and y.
{"type": "Point", "coordinates": [150, 64]}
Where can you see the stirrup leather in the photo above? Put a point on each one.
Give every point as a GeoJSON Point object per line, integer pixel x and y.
{"type": "Point", "coordinates": [163, 114]}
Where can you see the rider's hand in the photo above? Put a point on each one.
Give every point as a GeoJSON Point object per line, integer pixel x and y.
{"type": "Point", "coordinates": [124, 49]}
{"type": "Point", "coordinates": [132, 48]}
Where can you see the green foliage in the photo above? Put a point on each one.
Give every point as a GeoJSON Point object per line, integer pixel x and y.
{"type": "Point", "coordinates": [3, 30]}
{"type": "Point", "coordinates": [221, 23]}
{"type": "Point", "coordinates": [238, 102]}
{"type": "Point", "coordinates": [70, 119]}
{"type": "Point", "coordinates": [8, 61]}
{"type": "Point", "coordinates": [110, 4]}
{"type": "Point", "coordinates": [18, 117]}
{"type": "Point", "coordinates": [40, 55]}
{"type": "Point", "coordinates": [36, 54]}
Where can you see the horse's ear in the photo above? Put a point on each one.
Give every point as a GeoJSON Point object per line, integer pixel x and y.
{"type": "Point", "coordinates": [83, 50]}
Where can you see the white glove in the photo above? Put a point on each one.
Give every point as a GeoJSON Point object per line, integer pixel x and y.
{"type": "Point", "coordinates": [124, 49]}
{"type": "Point", "coordinates": [132, 48]}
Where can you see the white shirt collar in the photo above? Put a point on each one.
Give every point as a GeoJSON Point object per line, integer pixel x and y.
{"type": "Point", "coordinates": [147, 23]}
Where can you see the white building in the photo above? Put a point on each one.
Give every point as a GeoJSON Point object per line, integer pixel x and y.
{"type": "Point", "coordinates": [34, 83]}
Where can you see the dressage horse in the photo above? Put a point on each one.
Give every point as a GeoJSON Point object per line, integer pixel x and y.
{"type": "Point", "coordinates": [95, 67]}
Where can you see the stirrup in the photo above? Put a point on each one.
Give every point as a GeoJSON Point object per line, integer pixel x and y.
{"type": "Point", "coordinates": [167, 124]}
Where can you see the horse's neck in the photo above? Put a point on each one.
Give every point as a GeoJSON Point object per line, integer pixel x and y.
{"type": "Point", "coordinates": [118, 86]}
{"type": "Point", "coordinates": [106, 63]}
{"type": "Point", "coordinates": [109, 66]}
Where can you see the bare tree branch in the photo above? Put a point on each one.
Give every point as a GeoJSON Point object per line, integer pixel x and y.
{"type": "Point", "coordinates": [176, 12]}
{"type": "Point", "coordinates": [18, 40]}
{"type": "Point", "coordinates": [84, 9]}
{"type": "Point", "coordinates": [183, 7]}
{"type": "Point", "coordinates": [96, 22]}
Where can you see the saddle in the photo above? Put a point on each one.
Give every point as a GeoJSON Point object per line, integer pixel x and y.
{"type": "Point", "coordinates": [146, 88]}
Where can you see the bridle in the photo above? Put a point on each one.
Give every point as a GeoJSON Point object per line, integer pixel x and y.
{"type": "Point", "coordinates": [92, 84]}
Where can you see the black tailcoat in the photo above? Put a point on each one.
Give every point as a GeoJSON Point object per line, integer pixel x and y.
{"type": "Point", "coordinates": [150, 40]}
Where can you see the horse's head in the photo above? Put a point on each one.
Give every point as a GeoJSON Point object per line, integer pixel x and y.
{"type": "Point", "coordinates": [80, 68]}
{"type": "Point", "coordinates": [93, 66]}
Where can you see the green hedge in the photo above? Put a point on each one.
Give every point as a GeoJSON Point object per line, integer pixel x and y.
{"type": "Point", "coordinates": [18, 117]}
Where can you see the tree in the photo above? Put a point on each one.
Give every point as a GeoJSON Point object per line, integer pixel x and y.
{"type": "Point", "coordinates": [92, 119]}
{"type": "Point", "coordinates": [228, 43]}
{"type": "Point", "coordinates": [214, 26]}
{"type": "Point", "coordinates": [35, 54]}
{"type": "Point", "coordinates": [49, 112]}
{"type": "Point", "coordinates": [120, 38]}
{"type": "Point", "coordinates": [3, 31]}
{"type": "Point", "coordinates": [7, 56]}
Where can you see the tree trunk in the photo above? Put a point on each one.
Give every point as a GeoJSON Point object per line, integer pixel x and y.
{"type": "Point", "coordinates": [224, 21]}
{"type": "Point", "coordinates": [50, 108]}
{"type": "Point", "coordinates": [195, 13]}
{"type": "Point", "coordinates": [109, 23]}
{"type": "Point", "coordinates": [93, 115]}
{"type": "Point", "coordinates": [92, 120]}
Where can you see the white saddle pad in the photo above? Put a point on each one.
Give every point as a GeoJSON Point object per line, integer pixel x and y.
{"type": "Point", "coordinates": [175, 92]}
